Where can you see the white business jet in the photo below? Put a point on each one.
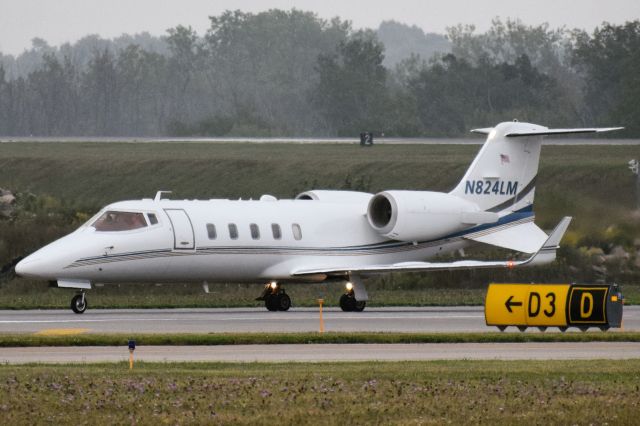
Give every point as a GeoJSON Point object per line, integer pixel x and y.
{"type": "Point", "coordinates": [320, 235]}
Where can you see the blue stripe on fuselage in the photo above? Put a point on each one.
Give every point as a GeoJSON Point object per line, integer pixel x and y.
{"type": "Point", "coordinates": [512, 217]}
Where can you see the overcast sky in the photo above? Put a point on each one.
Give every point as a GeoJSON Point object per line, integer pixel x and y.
{"type": "Point", "coordinates": [59, 21]}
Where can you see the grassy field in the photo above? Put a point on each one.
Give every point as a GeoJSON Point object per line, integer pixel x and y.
{"type": "Point", "coordinates": [591, 183]}
{"type": "Point", "coordinates": [458, 392]}
{"type": "Point", "coordinates": [61, 184]}
{"type": "Point", "coordinates": [163, 339]}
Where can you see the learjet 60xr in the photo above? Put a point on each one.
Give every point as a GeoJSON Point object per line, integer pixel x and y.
{"type": "Point", "coordinates": [320, 235]}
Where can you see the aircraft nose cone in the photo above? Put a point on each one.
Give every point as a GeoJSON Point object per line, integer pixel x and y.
{"type": "Point", "coordinates": [29, 267]}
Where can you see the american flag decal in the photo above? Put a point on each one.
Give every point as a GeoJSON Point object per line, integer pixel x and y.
{"type": "Point", "coordinates": [504, 158]}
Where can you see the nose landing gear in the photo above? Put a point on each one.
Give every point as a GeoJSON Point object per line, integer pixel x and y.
{"type": "Point", "coordinates": [275, 298]}
{"type": "Point", "coordinates": [79, 303]}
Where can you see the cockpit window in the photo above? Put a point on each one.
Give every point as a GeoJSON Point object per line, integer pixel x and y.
{"type": "Point", "coordinates": [152, 218]}
{"type": "Point", "coordinates": [112, 221]}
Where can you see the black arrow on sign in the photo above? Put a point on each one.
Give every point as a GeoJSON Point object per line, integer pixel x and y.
{"type": "Point", "coordinates": [509, 304]}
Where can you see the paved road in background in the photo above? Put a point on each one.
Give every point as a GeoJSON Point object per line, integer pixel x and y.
{"type": "Point", "coordinates": [405, 319]}
{"type": "Point", "coordinates": [328, 352]}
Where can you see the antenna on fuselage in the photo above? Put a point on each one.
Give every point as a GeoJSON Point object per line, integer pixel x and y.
{"type": "Point", "coordinates": [158, 196]}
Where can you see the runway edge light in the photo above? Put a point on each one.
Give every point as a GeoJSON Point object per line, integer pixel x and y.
{"type": "Point", "coordinates": [553, 305]}
{"type": "Point", "coordinates": [132, 347]}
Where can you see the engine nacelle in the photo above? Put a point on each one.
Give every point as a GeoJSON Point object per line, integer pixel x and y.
{"type": "Point", "coordinates": [334, 196]}
{"type": "Point", "coordinates": [423, 215]}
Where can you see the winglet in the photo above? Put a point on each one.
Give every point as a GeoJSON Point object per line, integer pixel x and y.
{"type": "Point", "coordinates": [558, 232]}
{"type": "Point", "coordinates": [547, 252]}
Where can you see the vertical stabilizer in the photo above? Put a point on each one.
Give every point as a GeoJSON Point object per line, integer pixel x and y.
{"type": "Point", "coordinates": [502, 177]}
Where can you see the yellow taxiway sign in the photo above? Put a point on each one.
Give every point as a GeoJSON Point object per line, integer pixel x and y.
{"type": "Point", "coordinates": [557, 305]}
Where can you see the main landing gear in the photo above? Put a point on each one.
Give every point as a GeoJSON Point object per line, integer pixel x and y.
{"type": "Point", "coordinates": [275, 299]}
{"type": "Point", "coordinates": [348, 301]}
{"type": "Point", "coordinates": [79, 303]}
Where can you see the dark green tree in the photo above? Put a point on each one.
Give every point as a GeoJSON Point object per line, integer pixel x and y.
{"type": "Point", "coordinates": [261, 68]}
{"type": "Point", "coordinates": [610, 62]}
{"type": "Point", "coordinates": [351, 92]}
{"type": "Point", "coordinates": [101, 99]}
{"type": "Point", "coordinates": [452, 95]}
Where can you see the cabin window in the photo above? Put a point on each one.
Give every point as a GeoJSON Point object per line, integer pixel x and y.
{"type": "Point", "coordinates": [255, 231]}
{"type": "Point", "coordinates": [112, 221]}
{"type": "Point", "coordinates": [233, 231]}
{"type": "Point", "coordinates": [211, 231]}
{"type": "Point", "coordinates": [152, 218]}
{"type": "Point", "coordinates": [297, 232]}
{"type": "Point", "coordinates": [277, 232]}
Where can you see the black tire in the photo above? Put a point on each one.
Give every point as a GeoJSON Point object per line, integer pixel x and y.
{"type": "Point", "coordinates": [79, 304]}
{"type": "Point", "coordinates": [347, 303]}
{"type": "Point", "coordinates": [359, 307]}
{"type": "Point", "coordinates": [284, 302]}
{"type": "Point", "coordinates": [271, 302]}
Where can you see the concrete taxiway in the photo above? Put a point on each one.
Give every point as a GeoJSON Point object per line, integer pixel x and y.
{"type": "Point", "coordinates": [257, 320]}
{"type": "Point", "coordinates": [327, 352]}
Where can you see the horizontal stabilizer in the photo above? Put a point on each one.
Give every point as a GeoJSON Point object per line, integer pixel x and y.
{"type": "Point", "coordinates": [548, 132]}
{"type": "Point", "coordinates": [524, 237]}
{"type": "Point", "coordinates": [484, 131]}
{"type": "Point", "coordinates": [545, 253]}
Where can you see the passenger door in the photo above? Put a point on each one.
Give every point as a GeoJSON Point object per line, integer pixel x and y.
{"type": "Point", "coordinates": [183, 236]}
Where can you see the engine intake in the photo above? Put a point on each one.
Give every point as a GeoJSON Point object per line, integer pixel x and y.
{"type": "Point", "coordinates": [422, 215]}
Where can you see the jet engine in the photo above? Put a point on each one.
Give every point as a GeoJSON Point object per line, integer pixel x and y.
{"type": "Point", "coordinates": [333, 196]}
{"type": "Point", "coordinates": [423, 215]}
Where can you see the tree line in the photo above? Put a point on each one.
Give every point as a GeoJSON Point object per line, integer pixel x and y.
{"type": "Point", "coordinates": [290, 73]}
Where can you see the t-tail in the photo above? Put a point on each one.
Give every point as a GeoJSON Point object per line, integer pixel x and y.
{"type": "Point", "coordinates": [502, 180]}
{"type": "Point", "coordinates": [502, 177]}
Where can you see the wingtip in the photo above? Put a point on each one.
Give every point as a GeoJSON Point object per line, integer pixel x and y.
{"type": "Point", "coordinates": [558, 232]}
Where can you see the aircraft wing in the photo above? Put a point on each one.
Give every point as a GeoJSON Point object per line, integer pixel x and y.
{"type": "Point", "coordinates": [544, 254]}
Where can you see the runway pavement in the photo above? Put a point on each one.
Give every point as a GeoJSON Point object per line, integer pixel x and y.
{"type": "Point", "coordinates": [397, 319]}
{"type": "Point", "coordinates": [327, 352]}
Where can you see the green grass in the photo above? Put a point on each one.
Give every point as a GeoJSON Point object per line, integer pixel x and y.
{"type": "Point", "coordinates": [457, 392]}
{"type": "Point", "coordinates": [591, 183]}
{"type": "Point", "coordinates": [160, 339]}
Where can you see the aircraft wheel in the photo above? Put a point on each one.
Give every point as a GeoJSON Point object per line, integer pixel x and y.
{"type": "Point", "coordinates": [284, 302]}
{"type": "Point", "coordinates": [347, 303]}
{"type": "Point", "coordinates": [359, 307]}
{"type": "Point", "coordinates": [271, 302]}
{"type": "Point", "coordinates": [79, 303]}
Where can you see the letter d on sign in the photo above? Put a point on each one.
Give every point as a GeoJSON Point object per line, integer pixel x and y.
{"type": "Point", "coordinates": [586, 305]}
